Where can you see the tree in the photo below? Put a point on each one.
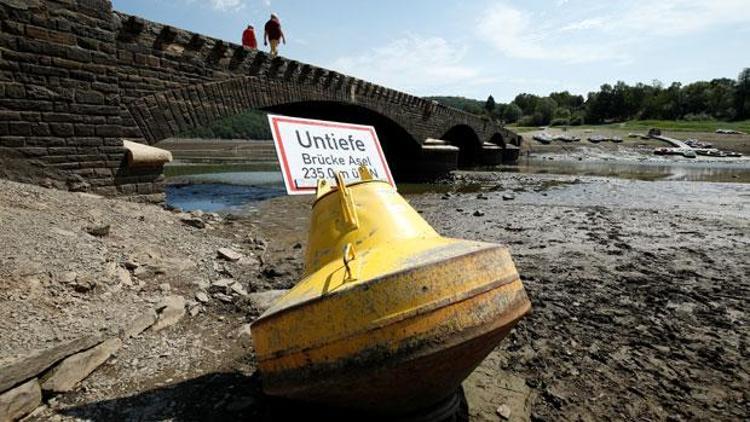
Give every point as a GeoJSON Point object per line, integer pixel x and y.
{"type": "Point", "coordinates": [490, 105]}
{"type": "Point", "coordinates": [545, 110]}
{"type": "Point", "coordinates": [742, 94]}
{"type": "Point", "coordinates": [512, 113]}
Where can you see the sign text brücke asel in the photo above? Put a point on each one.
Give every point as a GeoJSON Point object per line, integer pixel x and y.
{"type": "Point", "coordinates": [309, 150]}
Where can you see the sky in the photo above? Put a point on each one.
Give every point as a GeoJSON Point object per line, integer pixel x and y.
{"type": "Point", "coordinates": [476, 48]}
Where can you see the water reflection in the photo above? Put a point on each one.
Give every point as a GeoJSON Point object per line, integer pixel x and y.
{"type": "Point", "coordinates": [736, 172]}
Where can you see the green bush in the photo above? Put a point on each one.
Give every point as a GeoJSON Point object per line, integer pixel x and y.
{"type": "Point", "coordinates": [252, 124]}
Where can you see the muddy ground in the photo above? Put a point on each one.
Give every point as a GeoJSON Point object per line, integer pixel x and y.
{"type": "Point", "coordinates": [639, 293]}
{"type": "Point", "coordinates": [739, 143]}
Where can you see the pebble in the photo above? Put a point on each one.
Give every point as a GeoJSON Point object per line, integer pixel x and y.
{"type": "Point", "coordinates": [478, 213]}
{"type": "Point", "coordinates": [202, 297]}
{"type": "Point", "coordinates": [503, 411]}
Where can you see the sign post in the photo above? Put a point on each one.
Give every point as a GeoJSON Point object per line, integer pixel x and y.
{"type": "Point", "coordinates": [309, 150]}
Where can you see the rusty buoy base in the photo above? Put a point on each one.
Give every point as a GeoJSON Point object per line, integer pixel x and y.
{"type": "Point", "coordinates": [390, 317]}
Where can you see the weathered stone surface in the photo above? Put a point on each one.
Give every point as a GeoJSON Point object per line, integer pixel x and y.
{"type": "Point", "coordinates": [76, 368]}
{"type": "Point", "coordinates": [20, 401]}
{"type": "Point", "coordinates": [229, 254]}
{"type": "Point", "coordinates": [245, 336]}
{"type": "Point", "coordinates": [140, 324]}
{"type": "Point", "coordinates": [171, 309]}
{"type": "Point", "coordinates": [27, 367]}
{"type": "Point", "coordinates": [261, 301]}
{"type": "Point", "coordinates": [202, 297]}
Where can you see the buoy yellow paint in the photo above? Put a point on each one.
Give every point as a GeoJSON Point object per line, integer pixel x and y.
{"type": "Point", "coordinates": [390, 316]}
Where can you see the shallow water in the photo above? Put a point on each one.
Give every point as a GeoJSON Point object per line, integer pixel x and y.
{"type": "Point", "coordinates": [699, 171]}
{"type": "Point", "coordinates": [219, 188]}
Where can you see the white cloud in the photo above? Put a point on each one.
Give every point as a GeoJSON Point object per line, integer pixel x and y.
{"type": "Point", "coordinates": [414, 64]}
{"type": "Point", "coordinates": [679, 17]}
{"type": "Point", "coordinates": [516, 34]}
{"type": "Point", "coordinates": [585, 24]}
{"type": "Point", "coordinates": [227, 5]}
{"type": "Point", "coordinates": [600, 34]}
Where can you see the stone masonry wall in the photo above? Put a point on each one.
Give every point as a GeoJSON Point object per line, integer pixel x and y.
{"type": "Point", "coordinates": [60, 106]}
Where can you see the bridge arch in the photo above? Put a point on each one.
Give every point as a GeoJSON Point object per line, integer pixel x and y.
{"type": "Point", "coordinates": [468, 143]}
{"type": "Point", "coordinates": [498, 139]}
{"type": "Point", "coordinates": [399, 146]}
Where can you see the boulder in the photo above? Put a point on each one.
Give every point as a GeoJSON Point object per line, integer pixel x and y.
{"type": "Point", "coordinates": [140, 324]}
{"type": "Point", "coordinates": [20, 401]}
{"type": "Point", "coordinates": [171, 309]}
{"type": "Point", "coordinates": [76, 368]}
{"type": "Point", "coordinates": [26, 367]}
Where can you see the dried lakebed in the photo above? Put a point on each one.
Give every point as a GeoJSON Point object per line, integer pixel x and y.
{"type": "Point", "coordinates": [639, 293]}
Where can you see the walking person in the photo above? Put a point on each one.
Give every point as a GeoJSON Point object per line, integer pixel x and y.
{"type": "Point", "coordinates": [274, 34]}
{"type": "Point", "coordinates": [248, 38]}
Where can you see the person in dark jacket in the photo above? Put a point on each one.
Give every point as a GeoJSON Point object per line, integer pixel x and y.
{"type": "Point", "coordinates": [274, 34]}
{"type": "Point", "coordinates": [248, 38]}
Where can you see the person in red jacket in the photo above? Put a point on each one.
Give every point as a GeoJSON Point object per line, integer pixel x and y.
{"type": "Point", "coordinates": [274, 34]}
{"type": "Point", "coordinates": [248, 38]}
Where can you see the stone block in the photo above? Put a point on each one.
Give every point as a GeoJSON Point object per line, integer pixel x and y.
{"type": "Point", "coordinates": [89, 97]}
{"type": "Point", "coordinates": [28, 366]}
{"type": "Point", "coordinates": [171, 309]}
{"type": "Point", "coordinates": [62, 129]}
{"type": "Point", "coordinates": [20, 401]}
{"type": "Point", "coordinates": [76, 368]}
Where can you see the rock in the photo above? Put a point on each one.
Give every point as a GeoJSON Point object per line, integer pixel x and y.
{"type": "Point", "coordinates": [76, 368]}
{"type": "Point", "coordinates": [84, 283]}
{"type": "Point", "coordinates": [297, 246]}
{"type": "Point", "coordinates": [478, 213]}
{"type": "Point", "coordinates": [165, 287]}
{"type": "Point", "coordinates": [237, 288]}
{"type": "Point", "coordinates": [68, 277]}
{"type": "Point", "coordinates": [194, 222]}
{"type": "Point", "coordinates": [171, 309]}
{"type": "Point", "coordinates": [509, 197]}
{"type": "Point", "coordinates": [98, 231]}
{"type": "Point", "coordinates": [222, 297]}
{"type": "Point", "coordinates": [482, 196]}
{"type": "Point", "coordinates": [261, 301]}
{"type": "Point", "coordinates": [131, 265]}
{"type": "Point", "coordinates": [222, 283]}
{"type": "Point", "coordinates": [143, 272]}
{"type": "Point", "coordinates": [123, 276]}
{"type": "Point", "coordinates": [229, 254]}
{"type": "Point", "coordinates": [245, 337]}
{"type": "Point", "coordinates": [78, 184]}
{"type": "Point", "coordinates": [194, 308]}
{"type": "Point", "coordinates": [503, 411]}
{"type": "Point", "coordinates": [202, 297]}
{"type": "Point", "coordinates": [20, 401]}
{"type": "Point", "coordinates": [21, 369]}
{"type": "Point", "coordinates": [140, 324]}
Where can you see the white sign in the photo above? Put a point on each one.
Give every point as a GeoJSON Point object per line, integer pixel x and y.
{"type": "Point", "coordinates": [310, 150]}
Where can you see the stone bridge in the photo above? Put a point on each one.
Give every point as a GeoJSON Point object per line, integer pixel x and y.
{"type": "Point", "coordinates": [76, 78]}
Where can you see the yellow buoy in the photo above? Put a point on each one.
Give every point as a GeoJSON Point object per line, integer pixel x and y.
{"type": "Point", "coordinates": [390, 316]}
